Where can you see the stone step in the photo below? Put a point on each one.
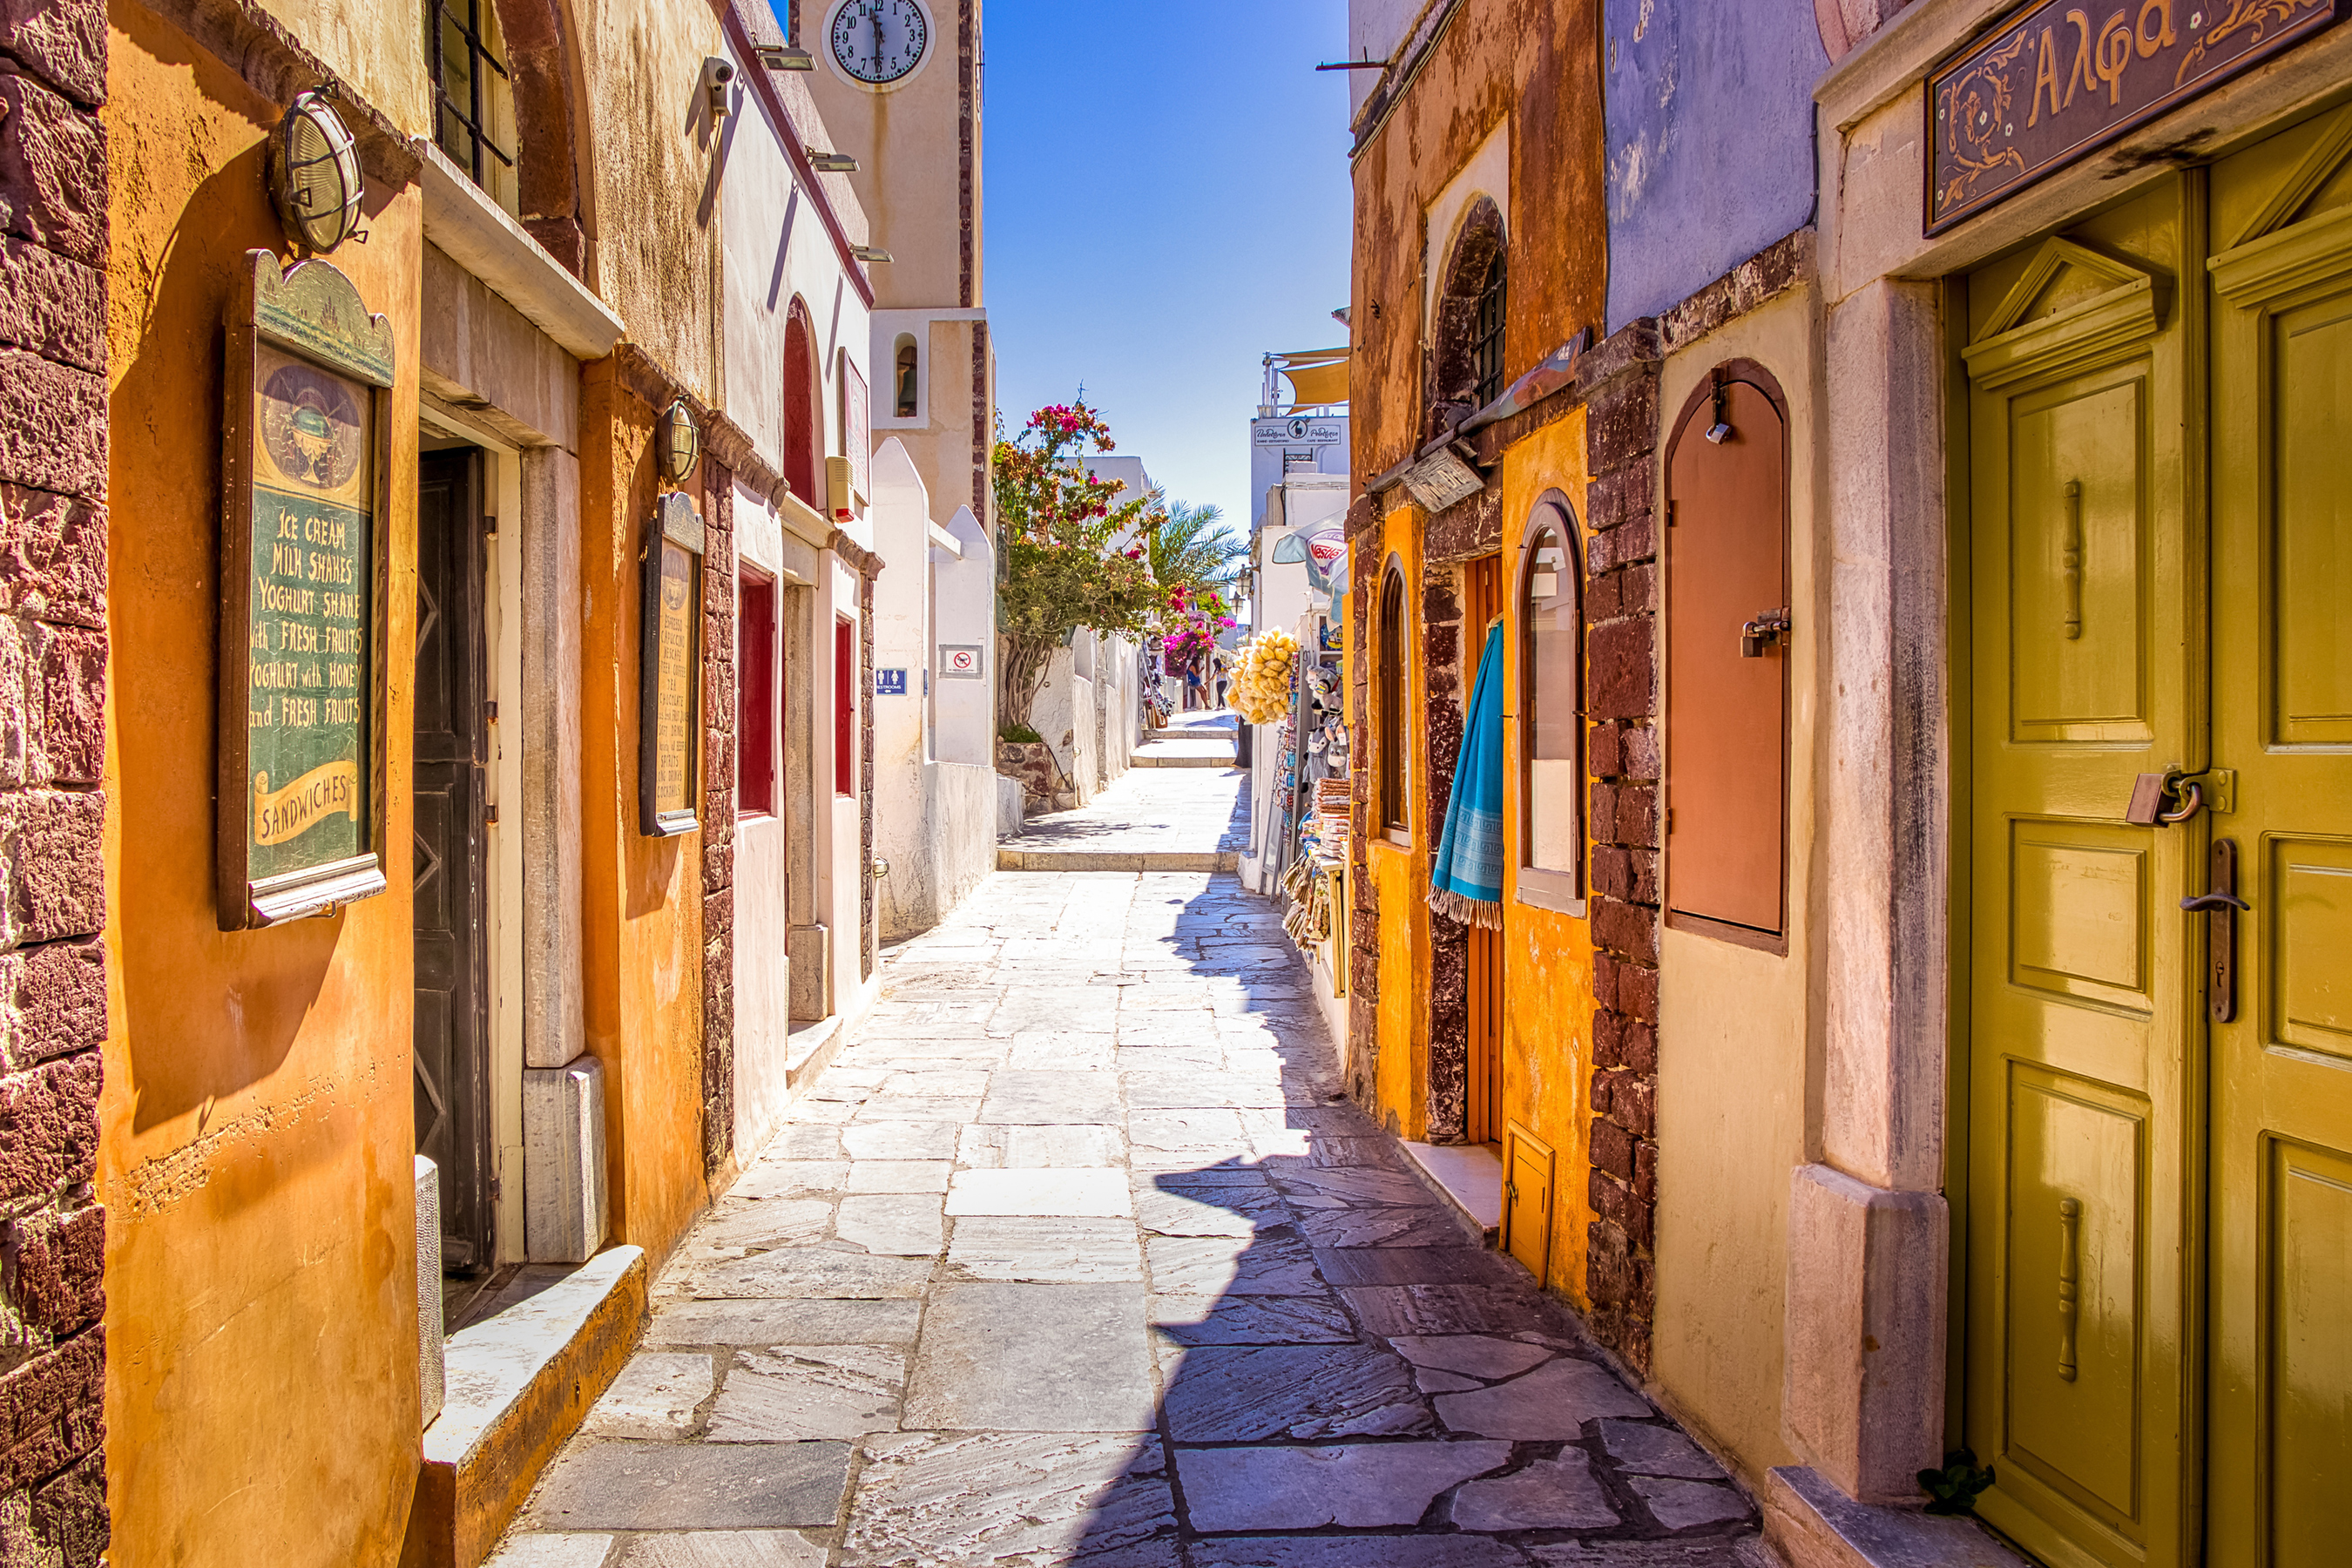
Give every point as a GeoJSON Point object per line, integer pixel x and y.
{"type": "Point", "coordinates": [520, 1380]}
{"type": "Point", "coordinates": [1008, 859]}
{"type": "Point", "coordinates": [1814, 1525]}
{"type": "Point", "coordinates": [1152, 760]}
{"type": "Point", "coordinates": [1468, 1177]}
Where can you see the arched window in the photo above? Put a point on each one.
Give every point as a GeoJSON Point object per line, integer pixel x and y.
{"type": "Point", "coordinates": [801, 403]}
{"type": "Point", "coordinates": [1467, 365]}
{"type": "Point", "coordinates": [1486, 335]}
{"type": "Point", "coordinates": [1551, 706]}
{"type": "Point", "coordinates": [908, 363]}
{"type": "Point", "coordinates": [1395, 810]}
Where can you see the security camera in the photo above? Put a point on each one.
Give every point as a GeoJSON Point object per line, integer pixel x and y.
{"type": "Point", "coordinates": [715, 75]}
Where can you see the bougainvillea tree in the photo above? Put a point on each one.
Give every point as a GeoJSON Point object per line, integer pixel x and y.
{"type": "Point", "coordinates": [1073, 548]}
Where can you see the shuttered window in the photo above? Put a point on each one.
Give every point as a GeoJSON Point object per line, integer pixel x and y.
{"type": "Point", "coordinates": [1728, 661]}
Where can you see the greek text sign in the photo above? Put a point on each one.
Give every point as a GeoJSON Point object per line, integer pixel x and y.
{"type": "Point", "coordinates": [670, 658]}
{"type": "Point", "coordinates": [297, 829]}
{"type": "Point", "coordinates": [2067, 77]}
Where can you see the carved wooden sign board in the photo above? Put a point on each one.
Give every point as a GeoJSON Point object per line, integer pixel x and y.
{"type": "Point", "coordinates": [299, 823]}
{"type": "Point", "coordinates": [669, 684]}
{"type": "Point", "coordinates": [2055, 82]}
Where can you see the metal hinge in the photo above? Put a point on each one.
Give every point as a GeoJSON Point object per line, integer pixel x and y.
{"type": "Point", "coordinates": [489, 527]}
{"type": "Point", "coordinates": [1671, 519]}
{"type": "Point", "coordinates": [492, 818]}
{"type": "Point", "coordinates": [491, 712]}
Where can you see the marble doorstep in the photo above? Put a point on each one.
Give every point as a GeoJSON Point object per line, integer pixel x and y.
{"type": "Point", "coordinates": [1814, 1525]}
{"type": "Point", "coordinates": [1468, 1177]}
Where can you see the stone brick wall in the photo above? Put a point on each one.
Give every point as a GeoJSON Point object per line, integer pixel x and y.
{"type": "Point", "coordinates": [1620, 381]}
{"type": "Point", "coordinates": [718, 820]}
{"type": "Point", "coordinates": [53, 665]}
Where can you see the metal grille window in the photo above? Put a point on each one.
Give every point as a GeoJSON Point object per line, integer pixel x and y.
{"type": "Point", "coordinates": [474, 109]}
{"type": "Point", "coordinates": [1486, 336]}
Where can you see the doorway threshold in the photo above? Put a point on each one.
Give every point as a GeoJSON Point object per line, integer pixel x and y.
{"type": "Point", "coordinates": [1814, 1525]}
{"type": "Point", "coordinates": [521, 1377]}
{"type": "Point", "coordinates": [1468, 1176]}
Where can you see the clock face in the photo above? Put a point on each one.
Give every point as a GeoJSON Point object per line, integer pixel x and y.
{"type": "Point", "coordinates": [880, 41]}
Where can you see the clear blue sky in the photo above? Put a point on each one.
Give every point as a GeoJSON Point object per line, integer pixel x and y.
{"type": "Point", "coordinates": [1167, 198]}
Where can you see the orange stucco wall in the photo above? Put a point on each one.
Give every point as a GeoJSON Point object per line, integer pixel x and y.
{"type": "Point", "coordinates": [1546, 954]}
{"type": "Point", "coordinates": [642, 953]}
{"type": "Point", "coordinates": [256, 1131]}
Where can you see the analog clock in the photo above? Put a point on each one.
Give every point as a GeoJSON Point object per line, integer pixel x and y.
{"type": "Point", "coordinates": [880, 41]}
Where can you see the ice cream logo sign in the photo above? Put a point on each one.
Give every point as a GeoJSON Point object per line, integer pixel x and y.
{"type": "Point", "coordinates": [2057, 82]}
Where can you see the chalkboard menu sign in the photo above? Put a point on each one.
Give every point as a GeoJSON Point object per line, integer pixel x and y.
{"type": "Point", "coordinates": [300, 828]}
{"type": "Point", "coordinates": [669, 700]}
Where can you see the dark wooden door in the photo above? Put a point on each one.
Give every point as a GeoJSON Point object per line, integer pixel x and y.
{"type": "Point", "coordinates": [451, 855]}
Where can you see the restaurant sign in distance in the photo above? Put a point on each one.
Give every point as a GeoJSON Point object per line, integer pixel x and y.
{"type": "Point", "coordinates": [299, 810]}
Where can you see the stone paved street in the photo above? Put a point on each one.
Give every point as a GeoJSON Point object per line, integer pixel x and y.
{"type": "Point", "coordinates": [1076, 1254]}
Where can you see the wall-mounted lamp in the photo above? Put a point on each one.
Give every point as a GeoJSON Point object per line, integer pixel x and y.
{"type": "Point", "coordinates": [677, 442]}
{"type": "Point", "coordinates": [1720, 431]}
{"type": "Point", "coordinates": [716, 74]}
{"type": "Point", "coordinates": [830, 162]}
{"type": "Point", "coordinates": [314, 174]}
{"type": "Point", "coordinates": [785, 57]}
{"type": "Point", "coordinates": [869, 253]}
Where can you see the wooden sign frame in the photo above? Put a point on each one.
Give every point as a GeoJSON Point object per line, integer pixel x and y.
{"type": "Point", "coordinates": [305, 493]}
{"type": "Point", "coordinates": [670, 671]}
{"type": "Point", "coordinates": [2045, 88]}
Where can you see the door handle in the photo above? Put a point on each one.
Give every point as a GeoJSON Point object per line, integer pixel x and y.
{"type": "Point", "coordinates": [1767, 627]}
{"type": "Point", "coordinates": [2070, 1273]}
{"type": "Point", "coordinates": [2220, 905]}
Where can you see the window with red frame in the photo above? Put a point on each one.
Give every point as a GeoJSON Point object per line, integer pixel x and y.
{"type": "Point", "coordinates": [755, 696]}
{"type": "Point", "coordinates": [844, 707]}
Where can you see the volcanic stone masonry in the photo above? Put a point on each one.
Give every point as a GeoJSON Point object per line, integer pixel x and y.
{"type": "Point", "coordinates": [53, 661]}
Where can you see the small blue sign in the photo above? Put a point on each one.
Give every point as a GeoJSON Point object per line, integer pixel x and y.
{"type": "Point", "coordinates": [890, 683]}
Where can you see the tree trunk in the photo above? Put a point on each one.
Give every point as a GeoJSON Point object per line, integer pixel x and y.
{"type": "Point", "coordinates": [1026, 661]}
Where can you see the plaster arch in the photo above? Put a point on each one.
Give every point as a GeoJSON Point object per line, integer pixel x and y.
{"type": "Point", "coordinates": [554, 203]}
{"type": "Point", "coordinates": [1479, 242]}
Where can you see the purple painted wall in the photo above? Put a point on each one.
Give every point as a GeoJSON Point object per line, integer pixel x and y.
{"type": "Point", "coordinates": [1709, 113]}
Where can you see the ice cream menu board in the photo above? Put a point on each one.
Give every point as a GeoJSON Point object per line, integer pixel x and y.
{"type": "Point", "coordinates": [299, 780]}
{"type": "Point", "coordinates": [670, 715]}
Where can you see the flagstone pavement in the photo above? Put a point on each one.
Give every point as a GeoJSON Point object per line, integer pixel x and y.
{"type": "Point", "coordinates": [1077, 1255]}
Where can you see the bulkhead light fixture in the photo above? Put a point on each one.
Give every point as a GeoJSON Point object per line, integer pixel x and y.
{"type": "Point", "coordinates": [869, 253]}
{"type": "Point", "coordinates": [785, 57]}
{"type": "Point", "coordinates": [314, 175]}
{"type": "Point", "coordinates": [831, 162]}
{"type": "Point", "coordinates": [677, 442]}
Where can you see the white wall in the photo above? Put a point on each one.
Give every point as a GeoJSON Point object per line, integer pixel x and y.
{"type": "Point", "coordinates": [777, 249]}
{"type": "Point", "coordinates": [963, 608]}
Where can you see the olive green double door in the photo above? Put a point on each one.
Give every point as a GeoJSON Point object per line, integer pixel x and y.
{"type": "Point", "coordinates": [2157, 1258]}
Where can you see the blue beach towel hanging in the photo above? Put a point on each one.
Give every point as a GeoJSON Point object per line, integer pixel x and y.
{"type": "Point", "coordinates": [1466, 880]}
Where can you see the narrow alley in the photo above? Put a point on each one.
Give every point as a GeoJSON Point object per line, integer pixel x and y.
{"type": "Point", "coordinates": [1076, 1252]}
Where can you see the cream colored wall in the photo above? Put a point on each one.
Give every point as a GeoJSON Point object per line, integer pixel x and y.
{"type": "Point", "coordinates": [655, 245]}
{"type": "Point", "coordinates": [1735, 1024]}
{"type": "Point", "coordinates": [357, 40]}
